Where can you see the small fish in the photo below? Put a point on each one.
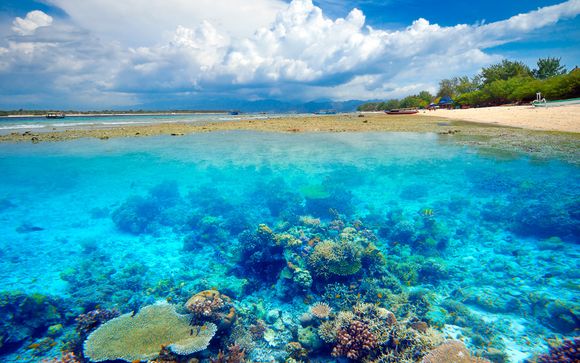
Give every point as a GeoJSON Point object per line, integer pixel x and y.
{"type": "Point", "coordinates": [428, 212]}
{"type": "Point", "coordinates": [27, 228]}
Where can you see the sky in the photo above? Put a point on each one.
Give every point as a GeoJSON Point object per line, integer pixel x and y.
{"type": "Point", "coordinates": [110, 54]}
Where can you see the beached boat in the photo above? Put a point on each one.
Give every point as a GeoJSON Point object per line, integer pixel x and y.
{"type": "Point", "coordinates": [234, 113]}
{"type": "Point", "coordinates": [403, 111]}
{"type": "Point", "coordinates": [543, 103]}
{"type": "Point", "coordinates": [55, 115]}
{"type": "Point", "coordinates": [325, 112]}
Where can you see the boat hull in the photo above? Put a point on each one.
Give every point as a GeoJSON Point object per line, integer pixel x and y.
{"type": "Point", "coordinates": [407, 112]}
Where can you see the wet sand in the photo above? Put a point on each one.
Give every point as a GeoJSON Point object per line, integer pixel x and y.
{"type": "Point", "coordinates": [487, 137]}
{"type": "Point", "coordinates": [563, 118]}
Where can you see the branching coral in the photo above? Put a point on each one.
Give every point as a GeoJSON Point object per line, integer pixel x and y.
{"type": "Point", "coordinates": [355, 341]}
{"type": "Point", "coordinates": [141, 336]}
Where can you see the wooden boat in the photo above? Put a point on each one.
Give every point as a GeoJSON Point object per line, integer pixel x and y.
{"type": "Point", "coordinates": [403, 111]}
{"type": "Point", "coordinates": [543, 103]}
{"type": "Point", "coordinates": [325, 112]}
{"type": "Point", "coordinates": [55, 115]}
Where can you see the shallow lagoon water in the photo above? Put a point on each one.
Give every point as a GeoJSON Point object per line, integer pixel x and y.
{"type": "Point", "coordinates": [125, 222]}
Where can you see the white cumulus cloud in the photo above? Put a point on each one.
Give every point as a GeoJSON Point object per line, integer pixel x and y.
{"type": "Point", "coordinates": [33, 20]}
{"type": "Point", "coordinates": [245, 48]}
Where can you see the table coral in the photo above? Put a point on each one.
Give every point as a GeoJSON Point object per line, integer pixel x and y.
{"type": "Point", "coordinates": [140, 336]}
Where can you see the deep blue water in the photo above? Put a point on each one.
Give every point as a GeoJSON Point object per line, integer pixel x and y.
{"type": "Point", "coordinates": [489, 242]}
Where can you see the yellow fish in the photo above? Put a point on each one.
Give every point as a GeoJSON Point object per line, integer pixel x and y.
{"type": "Point", "coordinates": [428, 212]}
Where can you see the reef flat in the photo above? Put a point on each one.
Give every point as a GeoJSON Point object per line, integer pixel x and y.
{"type": "Point", "coordinates": [539, 144]}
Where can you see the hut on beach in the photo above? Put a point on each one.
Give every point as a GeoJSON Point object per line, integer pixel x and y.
{"type": "Point", "coordinates": [446, 102]}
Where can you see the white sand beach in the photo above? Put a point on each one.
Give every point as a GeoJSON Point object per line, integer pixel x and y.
{"type": "Point", "coordinates": [563, 118]}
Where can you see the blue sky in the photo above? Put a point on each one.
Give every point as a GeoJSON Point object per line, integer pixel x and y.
{"type": "Point", "coordinates": [94, 54]}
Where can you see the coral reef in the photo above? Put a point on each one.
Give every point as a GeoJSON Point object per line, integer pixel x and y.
{"type": "Point", "coordinates": [354, 341]}
{"type": "Point", "coordinates": [86, 323]}
{"type": "Point", "coordinates": [451, 352]}
{"type": "Point", "coordinates": [235, 355]}
{"type": "Point", "coordinates": [262, 256]}
{"type": "Point", "coordinates": [23, 316]}
{"type": "Point", "coordinates": [331, 258]}
{"type": "Point", "coordinates": [140, 336]}
{"type": "Point", "coordinates": [567, 351]}
{"type": "Point", "coordinates": [211, 305]}
{"type": "Point", "coordinates": [65, 358]}
{"type": "Point", "coordinates": [320, 310]}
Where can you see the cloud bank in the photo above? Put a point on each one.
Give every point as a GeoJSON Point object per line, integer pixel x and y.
{"type": "Point", "coordinates": [111, 53]}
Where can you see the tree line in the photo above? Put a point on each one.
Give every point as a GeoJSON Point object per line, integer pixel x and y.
{"type": "Point", "coordinates": [501, 83]}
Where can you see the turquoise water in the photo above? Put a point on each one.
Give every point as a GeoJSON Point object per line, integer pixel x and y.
{"type": "Point", "coordinates": [478, 246]}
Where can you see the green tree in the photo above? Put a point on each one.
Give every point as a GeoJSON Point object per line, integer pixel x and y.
{"type": "Point", "coordinates": [549, 67]}
{"type": "Point", "coordinates": [426, 96]}
{"type": "Point", "coordinates": [446, 88]}
{"type": "Point", "coordinates": [392, 104]}
{"type": "Point", "coordinates": [465, 84]}
{"type": "Point", "coordinates": [412, 102]}
{"type": "Point", "coordinates": [504, 71]}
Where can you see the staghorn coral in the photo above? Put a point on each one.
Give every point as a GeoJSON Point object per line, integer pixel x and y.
{"type": "Point", "coordinates": [321, 310]}
{"type": "Point", "coordinates": [212, 305]}
{"type": "Point", "coordinates": [132, 337]}
{"type": "Point", "coordinates": [355, 341]}
{"type": "Point", "coordinates": [452, 351]}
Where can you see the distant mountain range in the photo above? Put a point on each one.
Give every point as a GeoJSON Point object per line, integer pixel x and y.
{"type": "Point", "coordinates": [270, 106]}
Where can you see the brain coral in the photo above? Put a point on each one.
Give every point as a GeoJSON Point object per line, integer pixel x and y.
{"type": "Point", "coordinates": [140, 337]}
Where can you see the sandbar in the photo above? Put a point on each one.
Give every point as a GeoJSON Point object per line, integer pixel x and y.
{"type": "Point", "coordinates": [485, 136]}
